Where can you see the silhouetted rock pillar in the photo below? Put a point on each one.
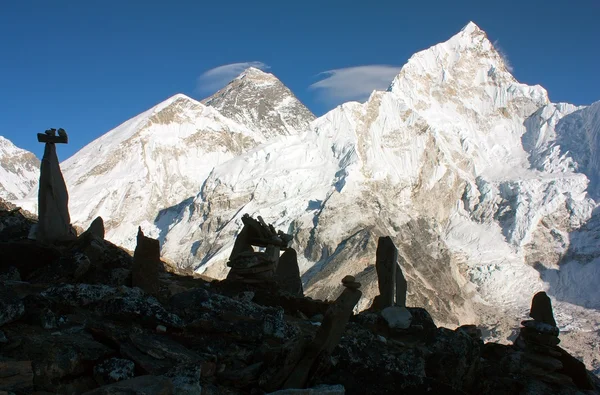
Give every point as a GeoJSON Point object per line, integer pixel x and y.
{"type": "Point", "coordinates": [386, 264]}
{"type": "Point", "coordinates": [287, 273]}
{"type": "Point", "coordinates": [146, 263]}
{"type": "Point", "coordinates": [53, 199]}
{"type": "Point", "coordinates": [541, 309]}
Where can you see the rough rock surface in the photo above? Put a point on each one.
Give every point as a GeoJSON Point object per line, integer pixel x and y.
{"type": "Point", "coordinates": [230, 338]}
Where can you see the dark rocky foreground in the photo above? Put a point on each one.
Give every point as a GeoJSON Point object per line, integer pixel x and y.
{"type": "Point", "coordinates": [71, 323]}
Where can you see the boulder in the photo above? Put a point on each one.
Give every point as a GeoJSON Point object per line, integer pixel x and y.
{"type": "Point", "coordinates": [397, 317]}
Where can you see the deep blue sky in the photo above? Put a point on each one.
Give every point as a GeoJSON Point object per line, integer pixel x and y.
{"type": "Point", "coordinates": [87, 66]}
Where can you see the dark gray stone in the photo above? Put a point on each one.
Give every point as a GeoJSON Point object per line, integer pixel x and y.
{"type": "Point", "coordinates": [287, 273]}
{"type": "Point", "coordinates": [386, 264]}
{"type": "Point", "coordinates": [146, 264]}
{"type": "Point", "coordinates": [541, 309]}
{"type": "Point", "coordinates": [113, 370]}
{"type": "Point", "coordinates": [54, 221]}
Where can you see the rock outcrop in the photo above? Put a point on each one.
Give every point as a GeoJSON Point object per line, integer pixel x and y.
{"type": "Point", "coordinates": [94, 333]}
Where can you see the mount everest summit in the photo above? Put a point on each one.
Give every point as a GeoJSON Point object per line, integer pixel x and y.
{"type": "Point", "coordinates": [488, 189]}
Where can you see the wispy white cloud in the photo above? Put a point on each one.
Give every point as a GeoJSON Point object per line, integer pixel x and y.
{"type": "Point", "coordinates": [503, 55]}
{"type": "Point", "coordinates": [354, 83]}
{"type": "Point", "coordinates": [214, 79]}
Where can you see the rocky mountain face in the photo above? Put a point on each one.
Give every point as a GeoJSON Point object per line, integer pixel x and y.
{"type": "Point", "coordinates": [88, 318]}
{"type": "Point", "coordinates": [261, 102]}
{"type": "Point", "coordinates": [488, 189]}
{"type": "Point", "coordinates": [154, 161]}
{"type": "Point", "coordinates": [19, 171]}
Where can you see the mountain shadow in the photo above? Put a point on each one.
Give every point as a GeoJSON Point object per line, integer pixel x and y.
{"type": "Point", "coordinates": [576, 279]}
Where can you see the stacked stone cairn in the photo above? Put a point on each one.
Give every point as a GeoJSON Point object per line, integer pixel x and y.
{"type": "Point", "coordinates": [250, 266]}
{"type": "Point", "coordinates": [541, 357]}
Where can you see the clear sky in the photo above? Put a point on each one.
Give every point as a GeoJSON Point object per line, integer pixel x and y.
{"type": "Point", "coordinates": [89, 65]}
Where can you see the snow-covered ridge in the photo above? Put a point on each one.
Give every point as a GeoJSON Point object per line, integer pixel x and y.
{"type": "Point", "coordinates": [19, 170]}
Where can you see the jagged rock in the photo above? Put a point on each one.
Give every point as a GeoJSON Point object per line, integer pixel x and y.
{"type": "Point", "coordinates": [397, 317]}
{"type": "Point", "coordinates": [141, 385]}
{"type": "Point", "coordinates": [287, 273]}
{"type": "Point", "coordinates": [320, 390]}
{"type": "Point", "coordinates": [120, 303]}
{"type": "Point", "coordinates": [203, 312]}
{"type": "Point", "coordinates": [3, 338]}
{"type": "Point", "coordinates": [14, 224]}
{"type": "Point", "coordinates": [186, 379]}
{"type": "Point", "coordinates": [11, 306]}
{"type": "Point", "coordinates": [541, 309]}
{"type": "Point", "coordinates": [97, 228]}
{"type": "Point", "coordinates": [113, 370]}
{"type": "Point", "coordinates": [16, 376]}
{"type": "Point", "coordinates": [146, 264]}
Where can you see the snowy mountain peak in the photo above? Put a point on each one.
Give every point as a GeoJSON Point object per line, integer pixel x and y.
{"type": "Point", "coordinates": [262, 103]}
{"type": "Point", "coordinates": [257, 74]}
{"type": "Point", "coordinates": [472, 28]}
{"type": "Point", "coordinates": [19, 170]}
{"type": "Point", "coordinates": [465, 71]}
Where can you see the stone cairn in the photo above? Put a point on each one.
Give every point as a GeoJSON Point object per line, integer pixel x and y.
{"type": "Point", "coordinates": [53, 199]}
{"type": "Point", "coordinates": [250, 266]}
{"type": "Point", "coordinates": [538, 340]}
{"type": "Point", "coordinates": [391, 300]}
